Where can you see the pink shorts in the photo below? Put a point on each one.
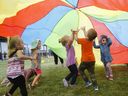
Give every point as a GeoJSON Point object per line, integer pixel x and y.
{"type": "Point", "coordinates": [38, 71]}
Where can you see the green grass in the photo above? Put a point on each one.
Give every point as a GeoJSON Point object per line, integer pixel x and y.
{"type": "Point", "coordinates": [51, 82]}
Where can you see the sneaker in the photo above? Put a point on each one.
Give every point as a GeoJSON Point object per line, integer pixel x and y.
{"type": "Point", "coordinates": [65, 82]}
{"type": "Point", "coordinates": [96, 88]}
{"type": "Point", "coordinates": [107, 76]}
{"type": "Point", "coordinates": [37, 83]}
{"type": "Point", "coordinates": [88, 84]}
{"type": "Point", "coordinates": [29, 86]}
{"type": "Point", "coordinates": [110, 78]}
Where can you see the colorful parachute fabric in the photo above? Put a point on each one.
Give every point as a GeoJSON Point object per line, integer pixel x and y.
{"type": "Point", "coordinates": [49, 20]}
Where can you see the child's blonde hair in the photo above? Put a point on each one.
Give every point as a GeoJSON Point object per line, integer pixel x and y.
{"type": "Point", "coordinates": [92, 34]}
{"type": "Point", "coordinates": [12, 41]}
{"type": "Point", "coordinates": [34, 45]}
{"type": "Point", "coordinates": [64, 39]}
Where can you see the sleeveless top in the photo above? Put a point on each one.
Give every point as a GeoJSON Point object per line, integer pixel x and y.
{"type": "Point", "coordinates": [15, 67]}
{"type": "Point", "coordinates": [38, 60]}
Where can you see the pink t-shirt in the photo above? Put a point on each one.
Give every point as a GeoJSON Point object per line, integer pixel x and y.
{"type": "Point", "coordinates": [70, 56]}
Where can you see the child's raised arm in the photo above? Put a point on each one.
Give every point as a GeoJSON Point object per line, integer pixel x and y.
{"type": "Point", "coordinates": [73, 36]}
{"type": "Point", "coordinates": [84, 30]}
{"type": "Point", "coordinates": [75, 33]}
{"type": "Point", "coordinates": [109, 42]}
{"type": "Point", "coordinates": [95, 46]}
{"type": "Point", "coordinates": [70, 41]}
{"type": "Point", "coordinates": [22, 56]}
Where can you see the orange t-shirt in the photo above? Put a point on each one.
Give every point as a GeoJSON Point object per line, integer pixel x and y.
{"type": "Point", "coordinates": [87, 50]}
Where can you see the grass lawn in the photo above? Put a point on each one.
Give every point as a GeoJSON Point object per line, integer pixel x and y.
{"type": "Point", "coordinates": [51, 82]}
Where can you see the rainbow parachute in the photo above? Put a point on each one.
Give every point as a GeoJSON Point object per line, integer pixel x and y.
{"type": "Point", "coordinates": [49, 20]}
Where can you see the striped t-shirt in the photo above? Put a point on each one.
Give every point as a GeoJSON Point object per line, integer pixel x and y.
{"type": "Point", "coordinates": [15, 67]}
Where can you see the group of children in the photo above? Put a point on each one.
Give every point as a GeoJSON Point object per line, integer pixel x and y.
{"type": "Point", "coordinates": [87, 59]}
{"type": "Point", "coordinates": [15, 69]}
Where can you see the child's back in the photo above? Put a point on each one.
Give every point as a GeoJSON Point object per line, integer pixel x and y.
{"type": "Point", "coordinates": [87, 50]}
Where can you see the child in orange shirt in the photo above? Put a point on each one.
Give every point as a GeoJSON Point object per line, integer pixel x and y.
{"type": "Point", "coordinates": [88, 59]}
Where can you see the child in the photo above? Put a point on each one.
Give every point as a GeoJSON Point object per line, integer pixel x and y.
{"type": "Point", "coordinates": [15, 68]}
{"type": "Point", "coordinates": [106, 58]}
{"type": "Point", "coordinates": [70, 62]}
{"type": "Point", "coordinates": [36, 64]}
{"type": "Point", "coordinates": [87, 59]}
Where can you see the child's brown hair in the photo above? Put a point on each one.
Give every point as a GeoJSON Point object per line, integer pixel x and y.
{"type": "Point", "coordinates": [12, 41]}
{"type": "Point", "coordinates": [102, 37]}
{"type": "Point", "coordinates": [92, 34]}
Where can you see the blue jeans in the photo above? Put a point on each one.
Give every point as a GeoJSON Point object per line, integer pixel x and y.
{"type": "Point", "coordinates": [73, 74]}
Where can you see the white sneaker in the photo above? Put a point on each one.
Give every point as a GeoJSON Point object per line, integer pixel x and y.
{"type": "Point", "coordinates": [29, 86]}
{"type": "Point", "coordinates": [88, 84]}
{"type": "Point", "coordinates": [96, 88]}
{"type": "Point", "coordinates": [65, 82]}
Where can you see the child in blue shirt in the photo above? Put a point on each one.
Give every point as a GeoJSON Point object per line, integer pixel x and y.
{"type": "Point", "coordinates": [106, 58]}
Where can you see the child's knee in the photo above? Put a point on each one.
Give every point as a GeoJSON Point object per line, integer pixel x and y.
{"type": "Point", "coordinates": [38, 75]}
{"type": "Point", "coordinates": [108, 65]}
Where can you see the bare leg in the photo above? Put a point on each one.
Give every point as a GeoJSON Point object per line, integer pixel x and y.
{"type": "Point", "coordinates": [106, 70]}
{"type": "Point", "coordinates": [35, 79]}
{"type": "Point", "coordinates": [108, 65]}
